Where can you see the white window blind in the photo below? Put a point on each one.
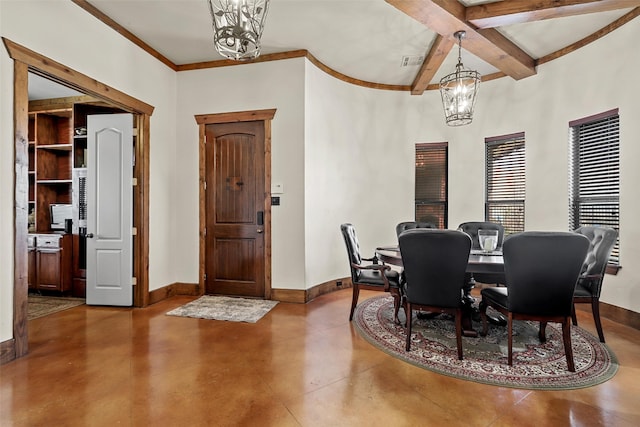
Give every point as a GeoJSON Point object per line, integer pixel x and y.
{"type": "Point", "coordinates": [505, 181]}
{"type": "Point", "coordinates": [594, 174]}
{"type": "Point", "coordinates": [431, 183]}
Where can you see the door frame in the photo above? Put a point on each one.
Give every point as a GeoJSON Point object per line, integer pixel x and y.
{"type": "Point", "coordinates": [25, 61]}
{"type": "Point", "coordinates": [241, 116]}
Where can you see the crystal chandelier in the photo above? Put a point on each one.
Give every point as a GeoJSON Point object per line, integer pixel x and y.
{"type": "Point", "coordinates": [459, 90]}
{"type": "Point", "coordinates": [237, 27]}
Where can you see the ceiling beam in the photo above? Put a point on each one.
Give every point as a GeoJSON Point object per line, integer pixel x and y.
{"type": "Point", "coordinates": [502, 13]}
{"type": "Point", "coordinates": [439, 50]}
{"type": "Point", "coordinates": [445, 17]}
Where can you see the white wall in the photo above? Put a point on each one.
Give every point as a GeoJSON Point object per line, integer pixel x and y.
{"type": "Point", "coordinates": [65, 33]}
{"type": "Point", "coordinates": [267, 85]}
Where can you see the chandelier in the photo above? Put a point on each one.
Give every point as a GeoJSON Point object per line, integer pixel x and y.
{"type": "Point", "coordinates": [237, 27]}
{"type": "Point", "coordinates": [459, 90]}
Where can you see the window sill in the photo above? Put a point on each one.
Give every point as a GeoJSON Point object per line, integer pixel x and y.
{"type": "Point", "coordinates": [612, 269]}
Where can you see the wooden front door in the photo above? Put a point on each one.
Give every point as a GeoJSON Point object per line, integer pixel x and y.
{"type": "Point", "coordinates": [235, 209]}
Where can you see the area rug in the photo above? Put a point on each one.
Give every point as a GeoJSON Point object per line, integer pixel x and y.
{"type": "Point", "coordinates": [39, 306]}
{"type": "Point", "coordinates": [535, 365]}
{"type": "Point", "coordinates": [225, 308]}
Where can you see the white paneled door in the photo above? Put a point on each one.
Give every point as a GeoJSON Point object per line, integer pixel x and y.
{"type": "Point", "coordinates": [109, 209]}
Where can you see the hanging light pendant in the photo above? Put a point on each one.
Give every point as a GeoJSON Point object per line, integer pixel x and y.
{"type": "Point", "coordinates": [237, 27]}
{"type": "Point", "coordinates": [459, 90]}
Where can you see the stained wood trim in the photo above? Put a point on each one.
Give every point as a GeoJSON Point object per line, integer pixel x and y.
{"type": "Point", "coordinates": [594, 118]}
{"type": "Point", "coordinates": [60, 103]}
{"type": "Point", "coordinates": [299, 53]}
{"type": "Point", "coordinates": [516, 135]}
{"type": "Point", "coordinates": [7, 351]}
{"type": "Point", "coordinates": [510, 12]}
{"type": "Point", "coordinates": [239, 116]}
{"type": "Point", "coordinates": [617, 314]}
{"type": "Point", "coordinates": [47, 67]}
{"type": "Point", "coordinates": [141, 206]}
{"type": "Point", "coordinates": [591, 38]}
{"type": "Point", "coordinates": [21, 191]}
{"type": "Point", "coordinates": [302, 296]}
{"type": "Point", "coordinates": [88, 7]}
{"type": "Point", "coordinates": [161, 294]}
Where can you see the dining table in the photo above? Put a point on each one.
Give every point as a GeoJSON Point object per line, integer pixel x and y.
{"type": "Point", "coordinates": [479, 262]}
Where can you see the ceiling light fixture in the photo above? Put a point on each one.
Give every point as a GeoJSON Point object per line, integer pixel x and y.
{"type": "Point", "coordinates": [237, 27]}
{"type": "Point", "coordinates": [459, 90]}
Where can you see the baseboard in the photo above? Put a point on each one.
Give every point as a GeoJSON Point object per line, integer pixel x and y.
{"type": "Point", "coordinates": [157, 295]}
{"type": "Point", "coordinates": [615, 313]}
{"type": "Point", "coordinates": [7, 351]}
{"type": "Point", "coordinates": [303, 296]}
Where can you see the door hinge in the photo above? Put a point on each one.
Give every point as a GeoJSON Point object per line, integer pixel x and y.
{"type": "Point", "coordinates": [134, 231]}
{"type": "Point", "coordinates": [134, 182]}
{"type": "Point", "coordinates": [134, 281]}
{"type": "Point", "coordinates": [205, 186]}
{"type": "Point", "coordinates": [205, 277]}
{"type": "Point", "coordinates": [205, 231]}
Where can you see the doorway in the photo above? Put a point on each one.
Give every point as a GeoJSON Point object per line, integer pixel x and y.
{"type": "Point", "coordinates": [235, 203]}
{"type": "Point", "coordinates": [26, 61]}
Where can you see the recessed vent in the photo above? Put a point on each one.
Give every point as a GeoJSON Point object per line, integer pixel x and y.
{"type": "Point", "coordinates": [410, 61]}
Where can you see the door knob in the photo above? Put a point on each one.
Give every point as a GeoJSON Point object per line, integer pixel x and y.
{"type": "Point", "coordinates": [259, 230]}
{"type": "Point", "coordinates": [90, 236]}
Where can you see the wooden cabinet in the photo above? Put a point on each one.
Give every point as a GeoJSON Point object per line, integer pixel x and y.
{"type": "Point", "coordinates": [53, 266]}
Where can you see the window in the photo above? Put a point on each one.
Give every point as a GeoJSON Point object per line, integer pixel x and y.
{"type": "Point", "coordinates": [594, 174]}
{"type": "Point", "coordinates": [431, 183]}
{"type": "Point", "coordinates": [505, 179]}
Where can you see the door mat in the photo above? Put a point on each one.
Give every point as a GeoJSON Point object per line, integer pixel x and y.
{"type": "Point", "coordinates": [39, 306]}
{"type": "Point", "coordinates": [225, 308]}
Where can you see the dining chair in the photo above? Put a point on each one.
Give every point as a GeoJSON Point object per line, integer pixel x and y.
{"type": "Point", "coordinates": [434, 267]}
{"type": "Point", "coordinates": [410, 225]}
{"type": "Point", "coordinates": [602, 241]}
{"type": "Point", "coordinates": [541, 270]}
{"type": "Point", "coordinates": [373, 276]}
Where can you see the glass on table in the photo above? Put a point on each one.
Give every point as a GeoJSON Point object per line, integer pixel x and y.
{"type": "Point", "coordinates": [488, 240]}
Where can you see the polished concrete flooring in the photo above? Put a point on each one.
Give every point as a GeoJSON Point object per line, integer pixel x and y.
{"type": "Point", "coordinates": [301, 365]}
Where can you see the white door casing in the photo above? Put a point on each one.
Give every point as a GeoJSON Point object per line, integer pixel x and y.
{"type": "Point", "coordinates": [109, 209]}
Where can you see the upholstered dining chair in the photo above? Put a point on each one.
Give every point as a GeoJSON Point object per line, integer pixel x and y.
{"type": "Point", "coordinates": [602, 240]}
{"type": "Point", "coordinates": [434, 266]}
{"type": "Point", "coordinates": [410, 225]}
{"type": "Point", "coordinates": [373, 276]}
{"type": "Point", "coordinates": [541, 270]}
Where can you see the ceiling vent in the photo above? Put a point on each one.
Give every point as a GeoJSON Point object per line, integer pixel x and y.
{"type": "Point", "coordinates": [410, 61]}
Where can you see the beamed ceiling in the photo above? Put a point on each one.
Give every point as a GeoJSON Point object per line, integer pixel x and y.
{"type": "Point", "coordinates": [365, 41]}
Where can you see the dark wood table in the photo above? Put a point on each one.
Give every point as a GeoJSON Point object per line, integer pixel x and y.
{"type": "Point", "coordinates": [479, 262]}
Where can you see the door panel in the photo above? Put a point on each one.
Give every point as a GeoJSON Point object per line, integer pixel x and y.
{"type": "Point", "coordinates": [235, 200]}
{"type": "Point", "coordinates": [109, 209]}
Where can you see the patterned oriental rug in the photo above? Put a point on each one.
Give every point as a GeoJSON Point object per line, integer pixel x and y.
{"type": "Point", "coordinates": [535, 365]}
{"type": "Point", "coordinates": [225, 308]}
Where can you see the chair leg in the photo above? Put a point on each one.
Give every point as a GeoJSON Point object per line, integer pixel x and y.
{"type": "Point", "coordinates": [354, 300]}
{"type": "Point", "coordinates": [510, 339]}
{"type": "Point", "coordinates": [568, 349]}
{"type": "Point", "coordinates": [482, 307]}
{"type": "Point", "coordinates": [396, 306]}
{"type": "Point", "coordinates": [595, 308]}
{"type": "Point", "coordinates": [459, 332]}
{"type": "Point", "coordinates": [409, 311]}
{"type": "Point", "coordinates": [542, 332]}
{"type": "Point", "coordinates": [573, 314]}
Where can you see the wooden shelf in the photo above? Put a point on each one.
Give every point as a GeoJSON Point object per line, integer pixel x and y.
{"type": "Point", "coordinates": [54, 181]}
{"type": "Point", "coordinates": [56, 147]}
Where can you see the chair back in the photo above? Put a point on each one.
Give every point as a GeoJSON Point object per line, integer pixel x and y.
{"type": "Point", "coordinates": [410, 225]}
{"type": "Point", "coordinates": [602, 240]}
{"type": "Point", "coordinates": [434, 266]}
{"type": "Point", "coordinates": [471, 228]}
{"type": "Point", "coordinates": [353, 248]}
{"type": "Point", "coordinates": [541, 270]}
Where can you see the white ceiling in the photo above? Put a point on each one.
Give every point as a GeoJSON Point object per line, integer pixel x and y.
{"type": "Point", "coordinates": [363, 39]}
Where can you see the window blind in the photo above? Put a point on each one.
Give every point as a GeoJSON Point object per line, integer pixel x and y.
{"type": "Point", "coordinates": [594, 174]}
{"type": "Point", "coordinates": [505, 182]}
{"type": "Point", "coordinates": [431, 183]}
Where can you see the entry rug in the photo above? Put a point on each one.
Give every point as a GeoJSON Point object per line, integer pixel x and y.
{"type": "Point", "coordinates": [39, 306]}
{"type": "Point", "coordinates": [225, 308]}
{"type": "Point", "coordinates": [540, 366]}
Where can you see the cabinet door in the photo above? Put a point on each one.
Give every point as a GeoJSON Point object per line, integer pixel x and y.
{"type": "Point", "coordinates": [49, 269]}
{"type": "Point", "coordinates": [31, 278]}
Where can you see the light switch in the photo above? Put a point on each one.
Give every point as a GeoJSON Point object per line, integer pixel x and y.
{"type": "Point", "coordinates": [277, 188]}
